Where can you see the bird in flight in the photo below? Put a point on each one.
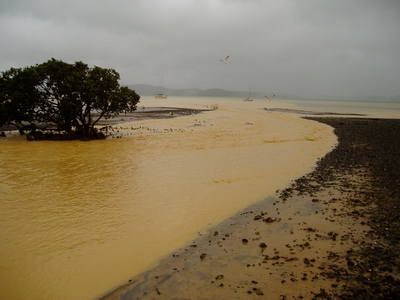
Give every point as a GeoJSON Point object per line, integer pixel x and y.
{"type": "Point", "coordinates": [224, 60]}
{"type": "Point", "coordinates": [269, 97]}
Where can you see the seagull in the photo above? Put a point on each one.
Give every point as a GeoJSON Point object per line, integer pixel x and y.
{"type": "Point", "coordinates": [269, 97]}
{"type": "Point", "coordinates": [225, 60]}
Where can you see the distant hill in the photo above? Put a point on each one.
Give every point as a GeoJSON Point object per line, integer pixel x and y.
{"type": "Point", "coordinates": [150, 90]}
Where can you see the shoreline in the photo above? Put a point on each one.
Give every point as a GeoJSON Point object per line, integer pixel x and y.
{"type": "Point", "coordinates": [334, 233]}
{"type": "Point", "coordinates": [137, 115]}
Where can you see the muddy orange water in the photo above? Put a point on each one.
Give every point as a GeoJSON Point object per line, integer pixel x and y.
{"type": "Point", "coordinates": [79, 218]}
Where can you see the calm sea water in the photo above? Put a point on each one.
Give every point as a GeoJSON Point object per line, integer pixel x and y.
{"type": "Point", "coordinates": [367, 108]}
{"type": "Point", "coordinates": [80, 218]}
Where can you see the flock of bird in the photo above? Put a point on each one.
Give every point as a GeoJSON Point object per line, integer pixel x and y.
{"type": "Point", "coordinates": [120, 131]}
{"type": "Point", "coordinates": [226, 61]}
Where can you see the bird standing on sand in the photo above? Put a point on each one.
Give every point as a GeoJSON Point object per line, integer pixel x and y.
{"type": "Point", "coordinates": [224, 60]}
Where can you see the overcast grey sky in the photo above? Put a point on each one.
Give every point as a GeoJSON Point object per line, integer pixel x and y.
{"type": "Point", "coordinates": [338, 48]}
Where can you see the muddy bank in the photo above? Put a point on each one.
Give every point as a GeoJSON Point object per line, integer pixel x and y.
{"type": "Point", "coordinates": [150, 113]}
{"type": "Point", "coordinates": [333, 233]}
{"type": "Point", "coordinates": [309, 112]}
{"type": "Point", "coordinates": [139, 114]}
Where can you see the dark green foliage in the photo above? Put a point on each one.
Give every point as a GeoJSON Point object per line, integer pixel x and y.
{"type": "Point", "coordinates": [71, 97]}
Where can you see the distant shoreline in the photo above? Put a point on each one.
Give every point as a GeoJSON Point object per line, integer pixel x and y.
{"type": "Point", "coordinates": [150, 90]}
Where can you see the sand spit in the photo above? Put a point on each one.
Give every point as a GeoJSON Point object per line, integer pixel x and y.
{"type": "Point", "coordinates": [154, 113]}
{"type": "Point", "coordinates": [309, 112]}
{"type": "Point", "coordinates": [333, 234]}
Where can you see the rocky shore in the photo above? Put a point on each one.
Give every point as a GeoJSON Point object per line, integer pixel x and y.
{"type": "Point", "coordinates": [332, 234]}
{"type": "Point", "coordinates": [366, 169]}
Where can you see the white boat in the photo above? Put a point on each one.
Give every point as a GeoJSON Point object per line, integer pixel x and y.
{"type": "Point", "coordinates": [160, 96]}
{"type": "Point", "coordinates": [160, 93]}
{"type": "Point", "coordinates": [248, 98]}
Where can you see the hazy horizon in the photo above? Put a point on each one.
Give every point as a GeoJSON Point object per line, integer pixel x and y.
{"type": "Point", "coordinates": [150, 90]}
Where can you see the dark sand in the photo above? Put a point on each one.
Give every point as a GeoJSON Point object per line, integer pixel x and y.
{"type": "Point", "coordinates": [332, 234]}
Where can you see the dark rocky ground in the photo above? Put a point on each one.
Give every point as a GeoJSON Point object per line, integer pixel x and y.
{"type": "Point", "coordinates": [368, 149]}
{"type": "Point", "coordinates": [332, 234]}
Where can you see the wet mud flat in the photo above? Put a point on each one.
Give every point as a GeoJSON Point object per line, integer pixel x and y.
{"type": "Point", "coordinates": [153, 113]}
{"type": "Point", "coordinates": [137, 115]}
{"type": "Point", "coordinates": [309, 112]}
{"type": "Point", "coordinates": [331, 234]}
